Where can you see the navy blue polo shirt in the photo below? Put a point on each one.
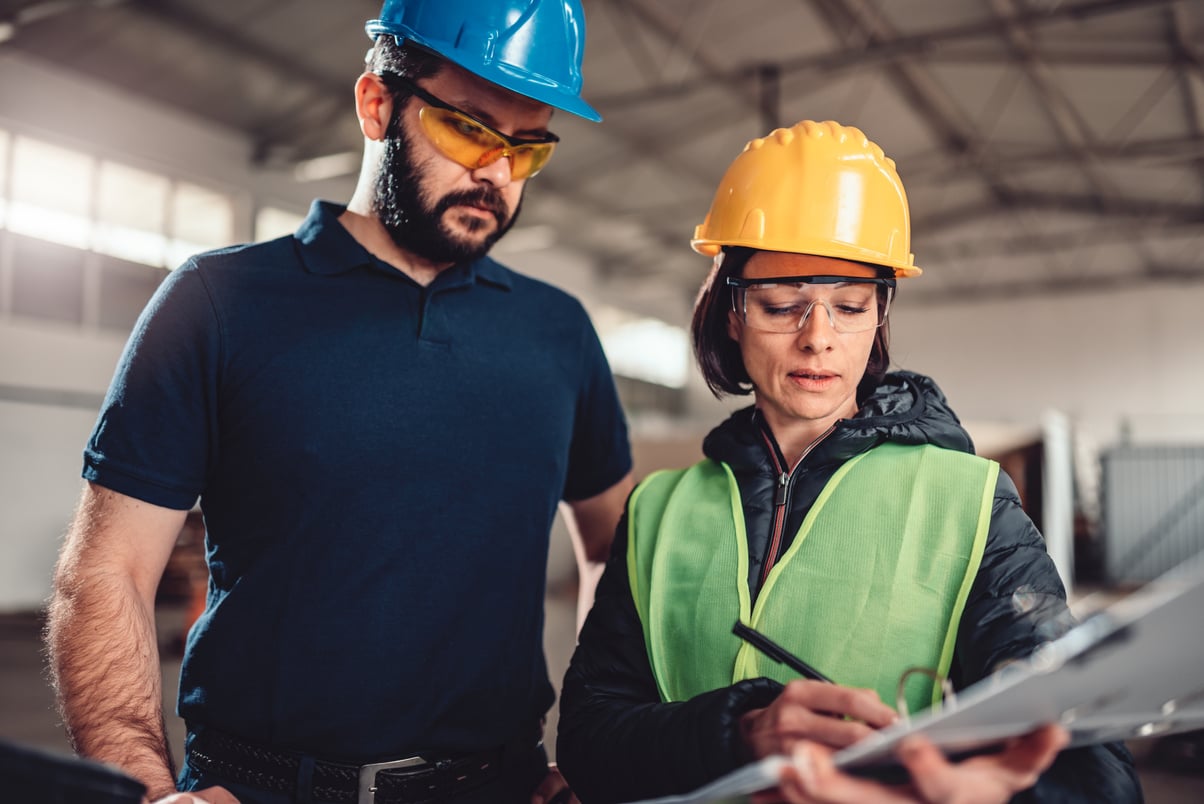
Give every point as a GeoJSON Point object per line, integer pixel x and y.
{"type": "Point", "coordinates": [379, 464]}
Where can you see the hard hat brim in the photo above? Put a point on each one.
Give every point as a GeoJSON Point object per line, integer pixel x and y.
{"type": "Point", "coordinates": [495, 73]}
{"type": "Point", "coordinates": [709, 248]}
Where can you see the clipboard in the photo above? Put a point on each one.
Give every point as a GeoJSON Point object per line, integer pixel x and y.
{"type": "Point", "coordinates": [1132, 670]}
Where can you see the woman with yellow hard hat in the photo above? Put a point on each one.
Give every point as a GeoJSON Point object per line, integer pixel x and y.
{"type": "Point", "coordinates": [843, 516]}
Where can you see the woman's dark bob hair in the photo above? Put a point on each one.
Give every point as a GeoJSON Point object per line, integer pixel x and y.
{"type": "Point", "coordinates": [719, 356]}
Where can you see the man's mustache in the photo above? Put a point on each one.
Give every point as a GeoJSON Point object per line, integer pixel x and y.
{"type": "Point", "coordinates": [485, 197]}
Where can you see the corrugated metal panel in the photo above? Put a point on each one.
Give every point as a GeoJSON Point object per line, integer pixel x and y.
{"type": "Point", "coordinates": [1153, 510]}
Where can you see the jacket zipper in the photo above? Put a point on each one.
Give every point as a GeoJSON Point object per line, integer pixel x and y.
{"type": "Point", "coordinates": [781, 496]}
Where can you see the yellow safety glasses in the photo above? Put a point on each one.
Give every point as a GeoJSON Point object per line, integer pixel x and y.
{"type": "Point", "coordinates": [467, 141]}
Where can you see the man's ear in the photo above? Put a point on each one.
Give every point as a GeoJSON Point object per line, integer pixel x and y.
{"type": "Point", "coordinates": [373, 106]}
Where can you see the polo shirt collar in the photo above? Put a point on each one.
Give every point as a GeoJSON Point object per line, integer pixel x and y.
{"type": "Point", "coordinates": [327, 248]}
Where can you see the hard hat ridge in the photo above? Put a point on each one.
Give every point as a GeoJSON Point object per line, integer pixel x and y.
{"type": "Point", "coordinates": [531, 47]}
{"type": "Point", "coordinates": [814, 188]}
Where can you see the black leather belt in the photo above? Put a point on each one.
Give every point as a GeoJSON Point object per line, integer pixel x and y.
{"type": "Point", "coordinates": [410, 780]}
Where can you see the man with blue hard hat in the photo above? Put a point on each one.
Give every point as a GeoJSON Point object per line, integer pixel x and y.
{"type": "Point", "coordinates": [380, 423]}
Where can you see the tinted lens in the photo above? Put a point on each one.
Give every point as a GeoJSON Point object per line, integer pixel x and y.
{"type": "Point", "coordinates": [459, 138]}
{"type": "Point", "coordinates": [468, 143]}
{"type": "Point", "coordinates": [530, 159]}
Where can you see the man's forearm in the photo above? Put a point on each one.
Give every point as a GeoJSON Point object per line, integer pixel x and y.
{"type": "Point", "coordinates": [588, 574]}
{"type": "Point", "coordinates": [105, 660]}
{"type": "Point", "coordinates": [591, 524]}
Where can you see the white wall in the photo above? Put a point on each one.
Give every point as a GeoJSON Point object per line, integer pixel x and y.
{"type": "Point", "coordinates": [41, 441]}
{"type": "Point", "coordinates": [1107, 360]}
{"type": "Point", "coordinates": [41, 445]}
{"type": "Point", "coordinates": [1099, 357]}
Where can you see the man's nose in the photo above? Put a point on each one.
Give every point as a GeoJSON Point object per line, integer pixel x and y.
{"type": "Point", "coordinates": [496, 173]}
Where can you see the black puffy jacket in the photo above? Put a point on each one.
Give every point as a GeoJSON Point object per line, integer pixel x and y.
{"type": "Point", "coordinates": [619, 742]}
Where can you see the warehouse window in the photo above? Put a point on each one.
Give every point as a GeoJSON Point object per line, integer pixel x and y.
{"type": "Point", "coordinates": [645, 349]}
{"type": "Point", "coordinates": [72, 198]}
{"type": "Point", "coordinates": [131, 214]}
{"type": "Point", "coordinates": [87, 238]}
{"type": "Point", "coordinates": [271, 223]}
{"type": "Point", "coordinates": [125, 288]}
{"type": "Point", "coordinates": [47, 280]}
{"type": "Point", "coordinates": [200, 220]}
{"type": "Point", "coordinates": [4, 146]}
{"type": "Point", "coordinates": [50, 193]}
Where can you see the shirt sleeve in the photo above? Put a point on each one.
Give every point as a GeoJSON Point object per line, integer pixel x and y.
{"type": "Point", "coordinates": [152, 437]}
{"type": "Point", "coordinates": [600, 453]}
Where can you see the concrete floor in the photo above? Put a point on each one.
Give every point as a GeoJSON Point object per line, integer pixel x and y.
{"type": "Point", "coordinates": [27, 714]}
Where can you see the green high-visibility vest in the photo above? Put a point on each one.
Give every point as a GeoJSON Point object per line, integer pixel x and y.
{"type": "Point", "coordinates": [874, 582]}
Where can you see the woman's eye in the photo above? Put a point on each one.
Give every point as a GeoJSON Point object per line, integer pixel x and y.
{"type": "Point", "coordinates": [851, 309]}
{"type": "Point", "coordinates": [785, 309]}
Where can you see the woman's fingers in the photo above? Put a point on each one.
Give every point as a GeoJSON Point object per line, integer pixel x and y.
{"type": "Point", "coordinates": [817, 711]}
{"type": "Point", "coordinates": [987, 778]}
{"type": "Point", "coordinates": [812, 778]}
{"type": "Point", "coordinates": [846, 702]}
{"type": "Point", "coordinates": [209, 795]}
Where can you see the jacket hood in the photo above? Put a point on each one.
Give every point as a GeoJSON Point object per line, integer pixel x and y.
{"type": "Point", "coordinates": [905, 408]}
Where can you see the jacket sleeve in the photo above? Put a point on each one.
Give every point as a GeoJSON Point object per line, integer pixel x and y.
{"type": "Point", "coordinates": [617, 740]}
{"type": "Point", "coordinates": [1016, 603]}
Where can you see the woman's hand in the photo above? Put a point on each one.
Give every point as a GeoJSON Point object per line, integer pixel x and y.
{"type": "Point", "coordinates": [814, 711]}
{"type": "Point", "coordinates": [984, 779]}
{"type": "Point", "coordinates": [553, 789]}
{"type": "Point", "coordinates": [210, 795]}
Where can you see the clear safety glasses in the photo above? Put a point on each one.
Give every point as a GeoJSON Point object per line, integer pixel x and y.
{"type": "Point", "coordinates": [784, 304]}
{"type": "Point", "coordinates": [468, 142]}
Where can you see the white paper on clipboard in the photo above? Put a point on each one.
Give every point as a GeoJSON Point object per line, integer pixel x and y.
{"type": "Point", "coordinates": [1135, 669]}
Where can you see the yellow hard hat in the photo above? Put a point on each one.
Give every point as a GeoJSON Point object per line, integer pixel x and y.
{"type": "Point", "coordinates": [813, 188]}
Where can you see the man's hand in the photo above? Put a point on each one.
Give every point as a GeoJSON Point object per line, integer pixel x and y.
{"type": "Point", "coordinates": [553, 789]}
{"type": "Point", "coordinates": [985, 779]}
{"type": "Point", "coordinates": [210, 795]}
{"type": "Point", "coordinates": [814, 711]}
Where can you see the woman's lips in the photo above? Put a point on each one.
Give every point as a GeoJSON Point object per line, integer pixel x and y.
{"type": "Point", "coordinates": [814, 380]}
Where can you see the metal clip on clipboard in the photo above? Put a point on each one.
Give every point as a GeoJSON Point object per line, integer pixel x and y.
{"type": "Point", "coordinates": [1131, 670]}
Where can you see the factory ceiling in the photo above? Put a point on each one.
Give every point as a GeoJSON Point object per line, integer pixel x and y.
{"type": "Point", "coordinates": [1046, 145]}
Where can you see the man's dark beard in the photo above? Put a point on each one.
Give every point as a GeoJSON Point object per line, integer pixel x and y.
{"type": "Point", "coordinates": [414, 224]}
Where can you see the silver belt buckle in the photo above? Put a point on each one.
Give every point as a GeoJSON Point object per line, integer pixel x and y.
{"type": "Point", "coordinates": [367, 793]}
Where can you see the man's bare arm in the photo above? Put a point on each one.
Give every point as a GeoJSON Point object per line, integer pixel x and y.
{"type": "Point", "coordinates": [592, 522]}
{"type": "Point", "coordinates": [101, 637]}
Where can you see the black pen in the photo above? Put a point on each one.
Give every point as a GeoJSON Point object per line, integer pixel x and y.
{"type": "Point", "coordinates": [776, 652]}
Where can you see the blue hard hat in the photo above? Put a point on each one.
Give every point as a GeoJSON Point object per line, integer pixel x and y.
{"type": "Point", "coordinates": [532, 47]}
